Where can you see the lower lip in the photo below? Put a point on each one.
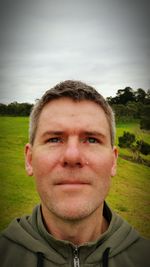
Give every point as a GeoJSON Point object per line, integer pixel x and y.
{"type": "Point", "coordinates": [71, 186]}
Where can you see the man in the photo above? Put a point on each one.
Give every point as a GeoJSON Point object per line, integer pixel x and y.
{"type": "Point", "coordinates": [72, 156]}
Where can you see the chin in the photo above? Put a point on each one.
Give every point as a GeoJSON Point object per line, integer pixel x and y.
{"type": "Point", "coordinates": [72, 216]}
{"type": "Point", "coordinates": [76, 212]}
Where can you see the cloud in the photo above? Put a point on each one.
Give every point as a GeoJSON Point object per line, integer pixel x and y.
{"type": "Point", "coordinates": [105, 43]}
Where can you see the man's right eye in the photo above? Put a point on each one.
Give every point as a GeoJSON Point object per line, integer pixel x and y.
{"type": "Point", "coordinates": [55, 140]}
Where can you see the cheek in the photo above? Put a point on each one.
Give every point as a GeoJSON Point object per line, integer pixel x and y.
{"type": "Point", "coordinates": [101, 167]}
{"type": "Point", "coordinates": [43, 163]}
{"type": "Point", "coordinates": [102, 163]}
{"type": "Point", "coordinates": [102, 183]}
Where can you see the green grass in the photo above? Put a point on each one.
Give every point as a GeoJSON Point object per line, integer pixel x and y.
{"type": "Point", "coordinates": [129, 196]}
{"type": "Point", "coordinates": [18, 195]}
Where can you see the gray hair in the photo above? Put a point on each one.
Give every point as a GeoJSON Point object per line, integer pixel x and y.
{"type": "Point", "coordinates": [77, 91]}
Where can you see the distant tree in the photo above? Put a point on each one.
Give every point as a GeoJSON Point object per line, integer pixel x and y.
{"type": "Point", "coordinates": [120, 111]}
{"type": "Point", "coordinates": [125, 95]}
{"type": "Point", "coordinates": [25, 109]}
{"type": "Point", "coordinates": [145, 117]}
{"type": "Point", "coordinates": [140, 95]}
{"type": "Point", "coordinates": [3, 109]}
{"type": "Point", "coordinates": [132, 110]}
{"type": "Point", "coordinates": [147, 98]}
{"type": "Point", "coordinates": [16, 109]}
{"type": "Point", "coordinates": [145, 123]}
{"type": "Point", "coordinates": [126, 112]}
{"type": "Point", "coordinates": [12, 108]}
{"type": "Point", "coordinates": [109, 99]}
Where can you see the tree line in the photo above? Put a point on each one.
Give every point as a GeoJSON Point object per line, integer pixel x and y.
{"type": "Point", "coordinates": [15, 109]}
{"type": "Point", "coordinates": [128, 104]}
{"type": "Point", "coordinates": [124, 96]}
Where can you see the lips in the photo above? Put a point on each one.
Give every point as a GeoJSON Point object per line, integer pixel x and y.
{"type": "Point", "coordinates": [72, 182]}
{"type": "Point", "coordinates": [71, 186]}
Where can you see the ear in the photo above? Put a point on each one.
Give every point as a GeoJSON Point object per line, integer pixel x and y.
{"type": "Point", "coordinates": [28, 159]}
{"type": "Point", "coordinates": [114, 163]}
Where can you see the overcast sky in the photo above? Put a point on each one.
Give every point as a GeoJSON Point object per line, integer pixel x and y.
{"type": "Point", "coordinates": [105, 43]}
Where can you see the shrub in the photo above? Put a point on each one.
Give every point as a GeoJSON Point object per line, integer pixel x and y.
{"type": "Point", "coordinates": [126, 140]}
{"type": "Point", "coordinates": [145, 123]}
{"type": "Point", "coordinates": [143, 147]}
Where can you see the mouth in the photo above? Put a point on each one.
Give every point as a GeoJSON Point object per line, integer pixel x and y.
{"type": "Point", "coordinates": [72, 184]}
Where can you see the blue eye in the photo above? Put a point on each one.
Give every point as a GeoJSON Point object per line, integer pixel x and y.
{"type": "Point", "coordinates": [92, 140]}
{"type": "Point", "coordinates": [55, 140]}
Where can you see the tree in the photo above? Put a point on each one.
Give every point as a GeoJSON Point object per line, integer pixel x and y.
{"type": "Point", "coordinates": [3, 109]}
{"type": "Point", "coordinates": [145, 114]}
{"type": "Point", "coordinates": [125, 95]}
{"type": "Point", "coordinates": [16, 109]}
{"type": "Point", "coordinates": [140, 95]}
{"type": "Point", "coordinates": [145, 123]}
{"type": "Point", "coordinates": [147, 98]}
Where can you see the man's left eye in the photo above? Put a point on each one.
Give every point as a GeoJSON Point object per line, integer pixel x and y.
{"type": "Point", "coordinates": [92, 140]}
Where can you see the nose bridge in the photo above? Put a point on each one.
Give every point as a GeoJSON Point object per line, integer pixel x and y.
{"type": "Point", "coordinates": [72, 154]}
{"type": "Point", "coordinates": [72, 149]}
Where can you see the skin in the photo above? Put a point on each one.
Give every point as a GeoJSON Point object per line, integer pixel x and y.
{"type": "Point", "coordinates": [72, 161]}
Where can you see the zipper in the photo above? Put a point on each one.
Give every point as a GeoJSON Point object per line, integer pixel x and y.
{"type": "Point", "coordinates": [76, 257]}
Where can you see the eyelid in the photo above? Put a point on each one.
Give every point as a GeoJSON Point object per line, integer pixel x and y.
{"type": "Point", "coordinates": [55, 138]}
{"type": "Point", "coordinates": [96, 140]}
{"type": "Point", "coordinates": [84, 139]}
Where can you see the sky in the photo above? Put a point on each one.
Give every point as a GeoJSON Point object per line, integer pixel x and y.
{"type": "Point", "coordinates": [105, 43]}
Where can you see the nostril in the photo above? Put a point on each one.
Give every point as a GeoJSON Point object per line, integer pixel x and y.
{"type": "Point", "coordinates": [65, 164]}
{"type": "Point", "coordinates": [72, 164]}
{"type": "Point", "coordinates": [79, 164]}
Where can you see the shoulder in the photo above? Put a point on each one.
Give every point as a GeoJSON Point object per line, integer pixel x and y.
{"type": "Point", "coordinates": [141, 246]}
{"type": "Point", "coordinates": [138, 253]}
{"type": "Point", "coordinates": [15, 254]}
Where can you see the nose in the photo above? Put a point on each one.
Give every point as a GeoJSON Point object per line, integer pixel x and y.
{"type": "Point", "coordinates": [72, 154]}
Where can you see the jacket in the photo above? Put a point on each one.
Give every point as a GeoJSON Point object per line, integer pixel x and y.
{"type": "Point", "coordinates": [27, 243]}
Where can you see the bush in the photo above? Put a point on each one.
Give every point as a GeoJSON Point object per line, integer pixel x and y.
{"type": "Point", "coordinates": [126, 140]}
{"type": "Point", "coordinates": [145, 123]}
{"type": "Point", "coordinates": [143, 147]}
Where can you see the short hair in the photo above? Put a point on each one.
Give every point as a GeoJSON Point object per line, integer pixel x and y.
{"type": "Point", "coordinates": [77, 91]}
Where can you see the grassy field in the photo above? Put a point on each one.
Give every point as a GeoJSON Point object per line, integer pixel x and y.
{"type": "Point", "coordinates": [129, 196]}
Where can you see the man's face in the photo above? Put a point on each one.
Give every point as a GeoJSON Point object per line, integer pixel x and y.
{"type": "Point", "coordinates": [72, 158]}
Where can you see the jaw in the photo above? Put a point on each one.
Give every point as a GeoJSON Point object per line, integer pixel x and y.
{"type": "Point", "coordinates": [74, 228]}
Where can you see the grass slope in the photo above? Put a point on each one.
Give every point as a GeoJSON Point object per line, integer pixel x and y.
{"type": "Point", "coordinates": [129, 196]}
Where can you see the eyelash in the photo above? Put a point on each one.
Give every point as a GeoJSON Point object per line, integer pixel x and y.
{"type": "Point", "coordinates": [85, 140]}
{"type": "Point", "coordinates": [93, 139]}
{"type": "Point", "coordinates": [55, 140]}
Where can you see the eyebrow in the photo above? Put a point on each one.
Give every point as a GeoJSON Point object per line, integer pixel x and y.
{"type": "Point", "coordinates": [52, 133]}
{"type": "Point", "coordinates": [91, 133]}
{"type": "Point", "coordinates": [94, 133]}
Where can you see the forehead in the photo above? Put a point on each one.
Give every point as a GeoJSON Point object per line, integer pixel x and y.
{"type": "Point", "coordinates": [67, 112]}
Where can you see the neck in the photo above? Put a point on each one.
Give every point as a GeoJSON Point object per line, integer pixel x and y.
{"type": "Point", "coordinates": [77, 232]}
